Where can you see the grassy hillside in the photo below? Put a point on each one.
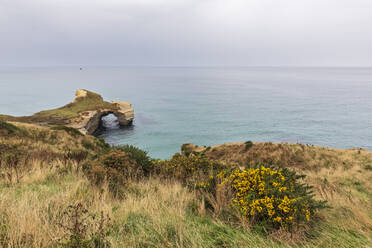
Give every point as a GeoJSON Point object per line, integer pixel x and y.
{"type": "Point", "coordinates": [45, 193]}
{"type": "Point", "coordinates": [342, 177]}
{"type": "Point", "coordinates": [295, 156]}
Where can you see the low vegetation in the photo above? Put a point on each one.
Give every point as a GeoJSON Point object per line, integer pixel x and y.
{"type": "Point", "coordinates": [62, 189]}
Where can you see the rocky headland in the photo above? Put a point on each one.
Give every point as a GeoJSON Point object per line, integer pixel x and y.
{"type": "Point", "coordinates": [84, 113]}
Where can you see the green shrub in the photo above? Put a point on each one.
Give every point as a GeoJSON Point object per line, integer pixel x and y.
{"type": "Point", "coordinates": [140, 156]}
{"type": "Point", "coordinates": [185, 149]}
{"type": "Point", "coordinates": [87, 144]}
{"type": "Point", "coordinates": [248, 144]}
{"type": "Point", "coordinates": [100, 142]}
{"type": "Point", "coordinates": [192, 170]}
{"type": "Point", "coordinates": [114, 167]}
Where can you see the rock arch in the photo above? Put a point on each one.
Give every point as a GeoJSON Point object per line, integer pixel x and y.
{"type": "Point", "coordinates": [84, 113]}
{"type": "Point", "coordinates": [88, 122]}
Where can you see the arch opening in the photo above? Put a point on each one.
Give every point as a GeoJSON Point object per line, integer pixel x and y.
{"type": "Point", "coordinates": [109, 121]}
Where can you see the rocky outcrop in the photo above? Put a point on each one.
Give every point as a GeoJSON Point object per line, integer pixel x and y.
{"type": "Point", "coordinates": [84, 113]}
{"type": "Point", "coordinates": [125, 113]}
{"type": "Point", "coordinates": [88, 122]}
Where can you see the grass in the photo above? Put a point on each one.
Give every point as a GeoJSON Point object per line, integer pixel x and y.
{"type": "Point", "coordinates": [295, 156]}
{"type": "Point", "coordinates": [7, 118]}
{"type": "Point", "coordinates": [7, 128]}
{"type": "Point", "coordinates": [155, 214]}
{"type": "Point", "coordinates": [74, 132]}
{"type": "Point", "coordinates": [43, 144]}
{"type": "Point", "coordinates": [163, 213]}
{"type": "Point", "coordinates": [92, 101]}
{"type": "Point", "coordinates": [155, 217]}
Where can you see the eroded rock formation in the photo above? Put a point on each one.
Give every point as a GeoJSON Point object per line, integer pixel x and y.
{"type": "Point", "coordinates": [83, 113]}
{"type": "Point", "coordinates": [87, 122]}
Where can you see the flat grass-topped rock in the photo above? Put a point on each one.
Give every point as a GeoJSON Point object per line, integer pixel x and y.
{"type": "Point", "coordinates": [84, 113]}
{"type": "Point", "coordinates": [84, 101]}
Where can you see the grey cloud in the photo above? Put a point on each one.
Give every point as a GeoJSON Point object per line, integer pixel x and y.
{"type": "Point", "coordinates": [185, 32]}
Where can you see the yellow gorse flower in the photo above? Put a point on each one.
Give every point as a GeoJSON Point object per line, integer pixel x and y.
{"type": "Point", "coordinates": [261, 194]}
{"type": "Point", "coordinates": [255, 195]}
{"type": "Point", "coordinates": [307, 214]}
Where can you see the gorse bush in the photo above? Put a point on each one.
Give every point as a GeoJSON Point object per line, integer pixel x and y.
{"type": "Point", "coordinates": [274, 197]}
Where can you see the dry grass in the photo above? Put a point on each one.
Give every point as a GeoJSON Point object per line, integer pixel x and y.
{"type": "Point", "coordinates": [153, 213]}
{"type": "Point", "coordinates": [294, 156]}
{"type": "Point", "coordinates": [41, 142]}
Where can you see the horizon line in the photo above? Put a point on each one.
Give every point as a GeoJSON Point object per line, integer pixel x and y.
{"type": "Point", "coordinates": [190, 66]}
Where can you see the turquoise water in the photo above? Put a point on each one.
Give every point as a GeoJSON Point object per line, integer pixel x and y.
{"type": "Point", "coordinates": [174, 105]}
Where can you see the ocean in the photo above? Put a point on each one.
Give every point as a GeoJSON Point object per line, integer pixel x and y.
{"type": "Point", "coordinates": [209, 105]}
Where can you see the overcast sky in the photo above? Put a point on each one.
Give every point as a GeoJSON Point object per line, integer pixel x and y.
{"type": "Point", "coordinates": [186, 32]}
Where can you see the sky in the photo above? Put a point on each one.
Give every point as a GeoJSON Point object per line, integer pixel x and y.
{"type": "Point", "coordinates": [186, 32]}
